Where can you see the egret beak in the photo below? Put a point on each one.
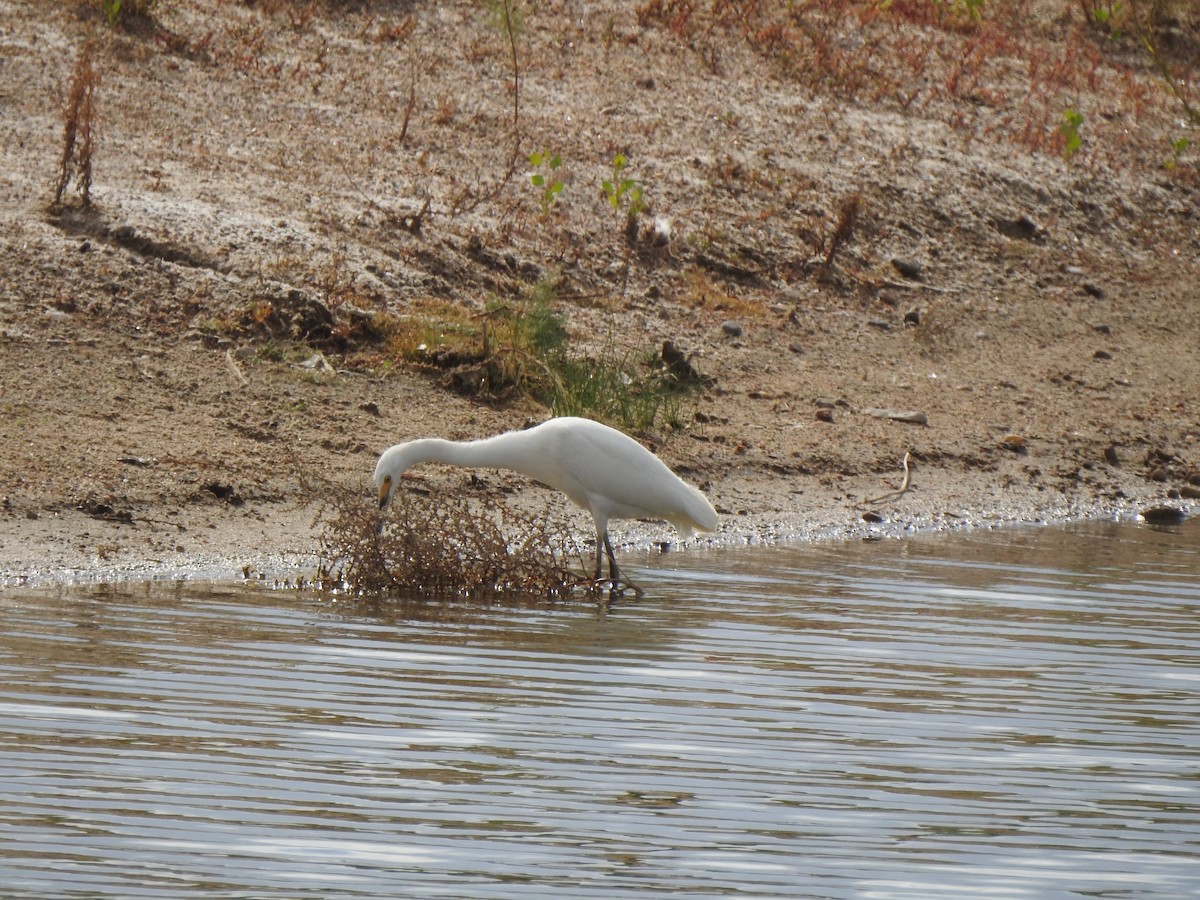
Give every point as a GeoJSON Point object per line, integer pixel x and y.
{"type": "Point", "coordinates": [385, 494]}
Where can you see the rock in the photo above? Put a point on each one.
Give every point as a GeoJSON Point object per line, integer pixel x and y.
{"type": "Point", "coordinates": [226, 492]}
{"type": "Point", "coordinates": [1021, 228]}
{"type": "Point", "coordinates": [824, 414]}
{"type": "Point", "coordinates": [872, 517]}
{"type": "Point", "coordinates": [731, 328]}
{"type": "Point", "coordinates": [1101, 354]}
{"type": "Point", "coordinates": [1110, 455]}
{"type": "Point", "coordinates": [317, 363]}
{"type": "Point", "coordinates": [1093, 290]}
{"type": "Point", "coordinates": [140, 462]}
{"type": "Point", "coordinates": [660, 232]}
{"type": "Point", "coordinates": [1163, 515]}
{"type": "Point", "coordinates": [910, 416]}
{"type": "Point", "coordinates": [678, 365]}
{"type": "Point", "coordinates": [912, 317]}
{"type": "Point", "coordinates": [909, 268]}
{"type": "Point", "coordinates": [1014, 443]}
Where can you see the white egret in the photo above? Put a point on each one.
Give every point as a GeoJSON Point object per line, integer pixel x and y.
{"type": "Point", "coordinates": [606, 472]}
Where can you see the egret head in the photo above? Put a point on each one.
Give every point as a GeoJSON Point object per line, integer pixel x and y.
{"type": "Point", "coordinates": [387, 473]}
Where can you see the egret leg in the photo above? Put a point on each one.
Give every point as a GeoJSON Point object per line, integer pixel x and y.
{"type": "Point", "coordinates": [619, 581]}
{"type": "Point", "coordinates": [614, 573]}
{"type": "Point", "coordinates": [600, 541]}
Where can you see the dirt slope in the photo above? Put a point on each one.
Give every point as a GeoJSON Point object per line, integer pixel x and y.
{"type": "Point", "coordinates": [272, 180]}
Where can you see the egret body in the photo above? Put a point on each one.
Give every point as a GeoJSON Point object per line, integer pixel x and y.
{"type": "Point", "coordinates": [600, 469]}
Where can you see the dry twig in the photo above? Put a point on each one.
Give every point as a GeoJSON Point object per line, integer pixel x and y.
{"type": "Point", "coordinates": [892, 495]}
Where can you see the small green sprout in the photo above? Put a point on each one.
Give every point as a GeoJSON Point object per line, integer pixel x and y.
{"type": "Point", "coordinates": [1178, 147]}
{"type": "Point", "coordinates": [550, 187]}
{"type": "Point", "coordinates": [1069, 129]}
{"type": "Point", "coordinates": [619, 190]}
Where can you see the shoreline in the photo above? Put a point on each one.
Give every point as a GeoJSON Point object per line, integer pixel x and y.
{"type": "Point", "coordinates": [285, 563]}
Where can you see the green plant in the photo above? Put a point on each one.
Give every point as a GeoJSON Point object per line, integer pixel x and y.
{"type": "Point", "coordinates": [1104, 14]}
{"type": "Point", "coordinates": [530, 328]}
{"type": "Point", "coordinates": [625, 192]}
{"type": "Point", "coordinates": [508, 17]}
{"type": "Point", "coordinates": [551, 188]}
{"type": "Point", "coordinates": [120, 11]}
{"type": "Point", "coordinates": [621, 190]}
{"type": "Point", "coordinates": [608, 387]}
{"type": "Point", "coordinates": [526, 351]}
{"type": "Point", "coordinates": [1178, 146]}
{"type": "Point", "coordinates": [1069, 129]}
{"type": "Point", "coordinates": [1171, 79]}
{"type": "Point", "coordinates": [972, 9]}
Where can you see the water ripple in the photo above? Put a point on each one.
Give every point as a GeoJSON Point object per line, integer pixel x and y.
{"type": "Point", "coordinates": [1012, 714]}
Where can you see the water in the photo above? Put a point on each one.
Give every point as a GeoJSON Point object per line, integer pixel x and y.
{"type": "Point", "coordinates": [1005, 714]}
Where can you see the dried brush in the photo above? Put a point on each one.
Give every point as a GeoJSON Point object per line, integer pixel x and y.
{"type": "Point", "coordinates": [442, 547]}
{"type": "Point", "coordinates": [847, 218]}
{"type": "Point", "coordinates": [79, 125]}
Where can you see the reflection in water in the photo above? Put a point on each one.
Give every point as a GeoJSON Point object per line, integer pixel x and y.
{"type": "Point", "coordinates": [1009, 713]}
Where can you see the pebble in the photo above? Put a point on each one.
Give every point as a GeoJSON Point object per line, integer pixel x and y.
{"type": "Point", "coordinates": [731, 328]}
{"type": "Point", "coordinates": [912, 317]}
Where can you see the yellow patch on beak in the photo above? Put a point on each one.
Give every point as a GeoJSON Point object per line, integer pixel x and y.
{"type": "Point", "coordinates": [385, 492]}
